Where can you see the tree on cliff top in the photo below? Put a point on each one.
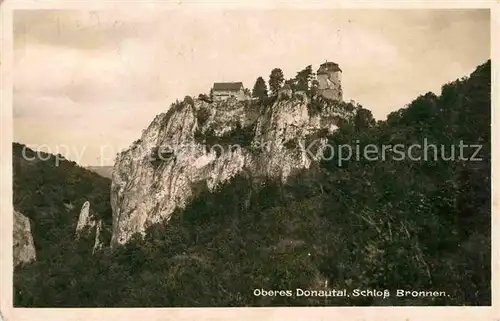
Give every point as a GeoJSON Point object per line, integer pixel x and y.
{"type": "Point", "coordinates": [304, 78]}
{"type": "Point", "coordinates": [276, 79]}
{"type": "Point", "coordinates": [259, 89]}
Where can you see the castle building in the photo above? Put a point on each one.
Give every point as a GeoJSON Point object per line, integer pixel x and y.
{"type": "Point", "coordinates": [329, 77]}
{"type": "Point", "coordinates": [225, 90]}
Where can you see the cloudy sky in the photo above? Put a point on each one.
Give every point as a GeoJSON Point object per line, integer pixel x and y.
{"type": "Point", "coordinates": [87, 82]}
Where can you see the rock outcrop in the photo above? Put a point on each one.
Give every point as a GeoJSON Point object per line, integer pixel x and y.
{"type": "Point", "coordinates": [84, 220]}
{"type": "Point", "coordinates": [89, 223]}
{"type": "Point", "coordinates": [98, 243]}
{"type": "Point", "coordinates": [192, 145]}
{"type": "Point", "coordinates": [23, 245]}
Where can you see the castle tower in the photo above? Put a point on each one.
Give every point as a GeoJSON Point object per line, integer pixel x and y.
{"type": "Point", "coordinates": [329, 81]}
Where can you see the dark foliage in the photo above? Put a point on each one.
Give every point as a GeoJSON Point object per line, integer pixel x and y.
{"type": "Point", "coordinates": [239, 136]}
{"type": "Point", "coordinates": [51, 191]}
{"type": "Point", "coordinates": [260, 89]}
{"type": "Point", "coordinates": [276, 79]}
{"type": "Point", "coordinates": [303, 79]}
{"type": "Point", "coordinates": [189, 100]}
{"type": "Point", "coordinates": [318, 104]}
{"type": "Point", "coordinates": [205, 98]}
{"type": "Point", "coordinates": [202, 116]}
{"type": "Point", "coordinates": [409, 224]}
{"type": "Point", "coordinates": [262, 105]}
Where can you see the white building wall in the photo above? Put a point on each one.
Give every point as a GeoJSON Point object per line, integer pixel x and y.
{"type": "Point", "coordinates": [330, 85]}
{"type": "Point", "coordinates": [336, 77]}
{"type": "Point", "coordinates": [226, 94]}
{"type": "Point", "coordinates": [322, 83]}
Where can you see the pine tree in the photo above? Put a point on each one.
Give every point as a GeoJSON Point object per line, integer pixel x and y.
{"type": "Point", "coordinates": [276, 79]}
{"type": "Point", "coordinates": [304, 78]}
{"type": "Point", "coordinates": [259, 89]}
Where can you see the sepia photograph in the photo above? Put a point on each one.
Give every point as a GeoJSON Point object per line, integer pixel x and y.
{"type": "Point", "coordinates": [196, 157]}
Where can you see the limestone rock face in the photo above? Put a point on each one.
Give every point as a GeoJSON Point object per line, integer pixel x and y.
{"type": "Point", "coordinates": [225, 116]}
{"type": "Point", "coordinates": [84, 220]}
{"type": "Point", "coordinates": [98, 244]}
{"type": "Point", "coordinates": [162, 169]}
{"type": "Point", "coordinates": [280, 132]}
{"type": "Point", "coordinates": [23, 247]}
{"type": "Point", "coordinates": [89, 223]}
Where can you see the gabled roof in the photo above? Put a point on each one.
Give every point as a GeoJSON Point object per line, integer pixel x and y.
{"type": "Point", "coordinates": [232, 86]}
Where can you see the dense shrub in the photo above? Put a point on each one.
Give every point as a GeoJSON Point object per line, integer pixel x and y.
{"type": "Point", "coordinates": [205, 98]}
{"type": "Point", "coordinates": [189, 100]}
{"type": "Point", "coordinates": [239, 136]}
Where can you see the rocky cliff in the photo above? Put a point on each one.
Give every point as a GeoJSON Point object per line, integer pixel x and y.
{"type": "Point", "coordinates": [23, 245]}
{"type": "Point", "coordinates": [88, 222]}
{"type": "Point", "coordinates": [202, 144]}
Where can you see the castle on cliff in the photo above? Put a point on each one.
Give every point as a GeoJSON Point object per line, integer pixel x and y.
{"type": "Point", "coordinates": [328, 77]}
{"type": "Point", "coordinates": [329, 81]}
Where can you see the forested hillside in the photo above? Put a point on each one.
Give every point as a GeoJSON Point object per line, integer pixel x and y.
{"type": "Point", "coordinates": [410, 224]}
{"type": "Point", "coordinates": [105, 171]}
{"type": "Point", "coordinates": [51, 191]}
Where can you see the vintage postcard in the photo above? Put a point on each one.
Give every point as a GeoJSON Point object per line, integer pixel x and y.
{"type": "Point", "coordinates": [271, 160]}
